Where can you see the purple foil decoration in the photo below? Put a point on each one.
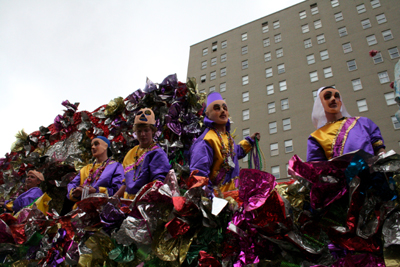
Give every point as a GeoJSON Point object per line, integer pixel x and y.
{"type": "Point", "coordinates": [255, 187]}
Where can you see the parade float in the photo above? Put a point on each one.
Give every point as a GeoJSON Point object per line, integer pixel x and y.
{"type": "Point", "coordinates": [343, 212]}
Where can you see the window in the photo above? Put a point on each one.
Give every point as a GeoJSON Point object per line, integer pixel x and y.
{"type": "Point", "coordinates": [383, 77]}
{"type": "Point", "coordinates": [351, 65]}
{"type": "Point", "coordinates": [305, 28]}
{"type": "Point", "coordinates": [361, 9]}
{"type": "Point", "coordinates": [307, 43]}
{"type": "Point", "coordinates": [245, 96]}
{"type": "Point", "coordinates": [282, 86]}
{"type": "Point", "coordinates": [334, 3]}
{"type": "Point", "coordinates": [275, 170]}
{"type": "Point", "coordinates": [317, 24]}
{"type": "Point", "coordinates": [285, 104]}
{"type": "Point", "coordinates": [213, 61]}
{"type": "Point", "coordinates": [387, 35]}
{"type": "Point", "coordinates": [381, 18]}
{"type": "Point", "coordinates": [212, 89]}
{"type": "Point", "coordinates": [268, 72]}
{"type": "Point", "coordinates": [245, 64]}
{"type": "Point", "coordinates": [222, 87]}
{"type": "Point", "coordinates": [347, 48]}
{"type": "Point", "coordinates": [272, 128]}
{"type": "Point", "coordinates": [204, 64]}
{"type": "Point", "coordinates": [279, 52]}
{"type": "Point", "coordinates": [314, 9]}
{"type": "Point", "coordinates": [396, 123]}
{"type": "Point", "coordinates": [324, 54]}
{"type": "Point", "coordinates": [393, 52]}
{"type": "Point", "coordinates": [224, 44]}
{"type": "Point", "coordinates": [202, 91]}
{"type": "Point", "coordinates": [366, 23]}
{"type": "Point", "coordinates": [356, 84]}
{"type": "Point", "coordinates": [214, 46]}
{"type": "Point", "coordinates": [203, 78]}
{"type": "Point", "coordinates": [270, 89]}
{"type": "Point", "coordinates": [246, 133]}
{"type": "Point", "coordinates": [288, 146]}
{"type": "Point", "coordinates": [246, 114]}
{"type": "Point", "coordinates": [266, 42]}
{"type": "Point", "coordinates": [205, 51]}
{"type": "Point", "coordinates": [244, 36]}
{"type": "Point", "coordinates": [265, 27]}
{"type": "Point", "coordinates": [244, 50]}
{"type": "Point", "coordinates": [278, 38]}
{"type": "Point", "coordinates": [303, 14]}
{"type": "Point", "coordinates": [245, 80]}
{"type": "Point", "coordinates": [274, 149]}
{"type": "Point", "coordinates": [310, 59]}
{"type": "Point", "coordinates": [281, 68]}
{"type": "Point", "coordinates": [338, 16]}
{"type": "Point", "coordinates": [375, 3]}
{"type": "Point", "coordinates": [267, 57]}
{"type": "Point", "coordinates": [328, 72]}
{"type": "Point", "coordinates": [213, 75]}
{"type": "Point", "coordinates": [362, 105]}
{"type": "Point", "coordinates": [314, 94]}
{"type": "Point", "coordinates": [223, 57]}
{"type": "Point", "coordinates": [276, 24]}
{"type": "Point", "coordinates": [286, 124]}
{"type": "Point", "coordinates": [271, 107]}
{"type": "Point", "coordinates": [390, 98]}
{"type": "Point", "coordinates": [371, 40]}
{"type": "Point", "coordinates": [377, 58]}
{"type": "Point", "coordinates": [314, 76]}
{"type": "Point", "coordinates": [342, 31]}
{"type": "Point", "coordinates": [321, 39]}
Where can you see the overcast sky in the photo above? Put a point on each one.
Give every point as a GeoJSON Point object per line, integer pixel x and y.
{"type": "Point", "coordinates": [94, 51]}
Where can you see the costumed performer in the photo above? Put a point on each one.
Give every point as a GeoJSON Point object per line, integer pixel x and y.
{"type": "Point", "coordinates": [145, 162]}
{"type": "Point", "coordinates": [32, 182]}
{"type": "Point", "coordinates": [103, 176]}
{"type": "Point", "coordinates": [337, 132]}
{"type": "Point", "coordinates": [214, 154]}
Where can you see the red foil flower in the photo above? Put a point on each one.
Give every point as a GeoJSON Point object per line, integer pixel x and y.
{"type": "Point", "coordinates": [373, 53]}
{"type": "Point", "coordinates": [392, 85]}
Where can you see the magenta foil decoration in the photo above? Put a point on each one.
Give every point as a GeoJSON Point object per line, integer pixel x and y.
{"type": "Point", "coordinates": [255, 187]}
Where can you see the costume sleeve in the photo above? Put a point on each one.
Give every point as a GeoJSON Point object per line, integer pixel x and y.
{"type": "Point", "coordinates": [375, 136]}
{"type": "Point", "coordinates": [314, 150]}
{"type": "Point", "coordinates": [27, 198]}
{"type": "Point", "coordinates": [201, 158]}
{"type": "Point", "coordinates": [116, 180]}
{"type": "Point", "coordinates": [159, 166]}
{"type": "Point", "coordinates": [244, 147]}
{"type": "Point", "coordinates": [73, 184]}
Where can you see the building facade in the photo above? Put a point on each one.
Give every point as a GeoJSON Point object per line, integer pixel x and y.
{"type": "Point", "coordinates": [269, 70]}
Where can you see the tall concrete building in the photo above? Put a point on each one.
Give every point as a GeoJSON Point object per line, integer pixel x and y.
{"type": "Point", "coordinates": [269, 70]}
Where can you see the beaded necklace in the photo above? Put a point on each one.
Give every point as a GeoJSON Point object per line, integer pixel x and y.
{"type": "Point", "coordinates": [227, 155]}
{"type": "Point", "coordinates": [332, 122]}
{"type": "Point", "coordinates": [138, 160]}
{"type": "Point", "coordinates": [95, 175]}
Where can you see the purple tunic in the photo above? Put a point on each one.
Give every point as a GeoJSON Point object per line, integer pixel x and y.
{"type": "Point", "coordinates": [111, 179]}
{"type": "Point", "coordinates": [26, 198]}
{"type": "Point", "coordinates": [355, 133]}
{"type": "Point", "coordinates": [155, 166]}
{"type": "Point", "coordinates": [202, 156]}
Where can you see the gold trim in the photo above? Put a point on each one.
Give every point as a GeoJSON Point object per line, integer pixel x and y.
{"type": "Point", "coordinates": [347, 132]}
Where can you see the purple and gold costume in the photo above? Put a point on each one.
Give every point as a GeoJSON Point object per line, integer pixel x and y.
{"type": "Point", "coordinates": [25, 199]}
{"type": "Point", "coordinates": [108, 183]}
{"type": "Point", "coordinates": [154, 166]}
{"type": "Point", "coordinates": [344, 136]}
{"type": "Point", "coordinates": [206, 156]}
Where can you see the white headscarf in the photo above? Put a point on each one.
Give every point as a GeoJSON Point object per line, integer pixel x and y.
{"type": "Point", "coordinates": [318, 114]}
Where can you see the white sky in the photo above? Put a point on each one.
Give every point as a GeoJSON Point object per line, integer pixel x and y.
{"type": "Point", "coordinates": [94, 51]}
